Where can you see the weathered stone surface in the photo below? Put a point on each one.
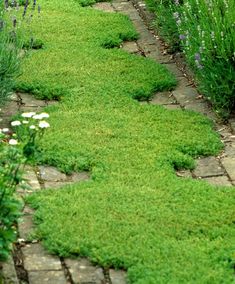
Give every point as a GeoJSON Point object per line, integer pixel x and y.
{"type": "Point", "coordinates": [36, 258]}
{"type": "Point", "coordinates": [173, 107]}
{"type": "Point", "coordinates": [219, 181]}
{"type": "Point", "coordinates": [50, 277]}
{"type": "Point", "coordinates": [117, 276]}
{"type": "Point", "coordinates": [14, 97]}
{"type": "Point", "coordinates": [9, 272]}
{"type": "Point", "coordinates": [207, 167]}
{"type": "Point", "coordinates": [229, 150]}
{"type": "Point", "coordinates": [155, 53]}
{"type": "Point", "coordinates": [174, 69]}
{"type": "Point", "coordinates": [163, 98]}
{"type": "Point", "coordinates": [25, 226]}
{"type": "Point", "coordinates": [185, 95]}
{"type": "Point", "coordinates": [232, 124]}
{"type": "Point", "coordinates": [139, 25]}
{"type": "Point", "coordinates": [29, 101]}
{"type": "Point", "coordinates": [23, 108]}
{"type": "Point", "coordinates": [51, 174]}
{"type": "Point", "coordinates": [31, 179]}
{"type": "Point", "coordinates": [83, 271]}
{"type": "Point", "coordinates": [104, 6]}
{"type": "Point", "coordinates": [28, 211]}
{"type": "Point", "coordinates": [229, 165]}
{"type": "Point", "coordinates": [130, 46]}
{"type": "Point", "coordinates": [10, 109]}
{"type": "Point", "coordinates": [77, 177]}
{"type": "Point", "coordinates": [200, 107]}
{"type": "Point", "coordinates": [184, 173]}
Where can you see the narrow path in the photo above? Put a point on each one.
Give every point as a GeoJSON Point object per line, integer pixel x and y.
{"type": "Point", "coordinates": [33, 264]}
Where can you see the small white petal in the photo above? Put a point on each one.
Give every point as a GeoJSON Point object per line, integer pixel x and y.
{"type": "Point", "coordinates": [43, 124]}
{"type": "Point", "coordinates": [13, 142]}
{"type": "Point", "coordinates": [32, 127]}
{"type": "Point", "coordinates": [16, 123]}
{"type": "Point", "coordinates": [25, 122]}
{"type": "Point", "coordinates": [28, 114]}
{"type": "Point", "coordinates": [5, 130]}
{"type": "Point", "coordinates": [37, 116]}
{"type": "Point", "coordinates": [44, 115]}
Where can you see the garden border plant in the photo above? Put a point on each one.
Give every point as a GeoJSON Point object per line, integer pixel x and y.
{"type": "Point", "coordinates": [203, 30]}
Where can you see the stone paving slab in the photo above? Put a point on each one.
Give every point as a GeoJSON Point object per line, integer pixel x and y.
{"type": "Point", "coordinates": [218, 181]}
{"type": "Point", "coordinates": [48, 173]}
{"type": "Point", "coordinates": [208, 167]}
{"type": "Point", "coordinates": [31, 178]}
{"type": "Point", "coordinates": [9, 272]}
{"type": "Point", "coordinates": [130, 46]}
{"type": "Point", "coordinates": [173, 107]}
{"type": "Point", "coordinates": [82, 271]}
{"type": "Point", "coordinates": [229, 164]}
{"type": "Point", "coordinates": [163, 98]}
{"type": "Point", "coordinates": [36, 258]}
{"type": "Point", "coordinates": [29, 101]}
{"type": "Point", "coordinates": [50, 277]}
{"type": "Point", "coordinates": [25, 226]}
{"type": "Point", "coordinates": [117, 276]}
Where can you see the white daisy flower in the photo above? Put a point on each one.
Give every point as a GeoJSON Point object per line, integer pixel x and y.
{"type": "Point", "coordinates": [28, 114]}
{"type": "Point", "coordinates": [43, 124]}
{"type": "Point", "coordinates": [16, 123]}
{"type": "Point", "coordinates": [13, 142]}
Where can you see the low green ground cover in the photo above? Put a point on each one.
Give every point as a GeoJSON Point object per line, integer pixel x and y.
{"type": "Point", "coordinates": [134, 213]}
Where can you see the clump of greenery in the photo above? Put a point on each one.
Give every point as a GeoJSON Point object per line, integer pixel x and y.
{"type": "Point", "coordinates": [16, 150]}
{"type": "Point", "coordinates": [204, 31]}
{"type": "Point", "coordinates": [134, 213]}
{"type": "Point", "coordinates": [9, 54]}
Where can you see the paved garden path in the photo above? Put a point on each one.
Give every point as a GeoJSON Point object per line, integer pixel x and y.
{"type": "Point", "coordinates": [33, 264]}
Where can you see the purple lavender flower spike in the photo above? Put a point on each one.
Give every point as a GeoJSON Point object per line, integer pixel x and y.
{"type": "Point", "coordinates": [182, 37]}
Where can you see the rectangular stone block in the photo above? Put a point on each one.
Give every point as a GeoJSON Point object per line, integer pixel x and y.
{"type": "Point", "coordinates": [83, 271]}
{"type": "Point", "coordinates": [50, 277]}
{"type": "Point", "coordinates": [36, 258]}
{"type": "Point", "coordinates": [117, 276]}
{"type": "Point", "coordinates": [229, 165]}
{"type": "Point", "coordinates": [207, 167]}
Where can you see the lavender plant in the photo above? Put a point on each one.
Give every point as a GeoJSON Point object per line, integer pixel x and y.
{"type": "Point", "coordinates": [204, 31]}
{"type": "Point", "coordinates": [208, 42]}
{"type": "Point", "coordinates": [16, 150]}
